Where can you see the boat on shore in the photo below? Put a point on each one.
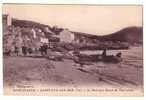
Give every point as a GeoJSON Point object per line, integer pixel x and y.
{"type": "Point", "coordinates": [98, 58]}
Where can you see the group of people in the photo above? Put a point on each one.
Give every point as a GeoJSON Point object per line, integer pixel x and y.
{"type": "Point", "coordinates": [27, 50]}
{"type": "Point", "coordinates": [43, 49]}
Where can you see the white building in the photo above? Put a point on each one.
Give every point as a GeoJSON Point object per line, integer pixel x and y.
{"type": "Point", "coordinates": [66, 36]}
{"type": "Point", "coordinates": [44, 40]}
{"type": "Point", "coordinates": [7, 20]}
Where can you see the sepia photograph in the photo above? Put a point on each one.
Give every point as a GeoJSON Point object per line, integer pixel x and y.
{"type": "Point", "coordinates": [72, 50]}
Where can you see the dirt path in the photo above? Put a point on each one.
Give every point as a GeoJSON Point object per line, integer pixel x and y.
{"type": "Point", "coordinates": [27, 70]}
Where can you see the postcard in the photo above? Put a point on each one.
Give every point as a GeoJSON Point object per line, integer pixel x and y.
{"type": "Point", "coordinates": [72, 50]}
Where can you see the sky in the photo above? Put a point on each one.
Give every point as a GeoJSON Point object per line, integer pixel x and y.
{"type": "Point", "coordinates": [93, 19]}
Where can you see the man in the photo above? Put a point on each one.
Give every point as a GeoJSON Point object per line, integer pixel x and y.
{"type": "Point", "coordinates": [41, 49]}
{"type": "Point", "coordinates": [24, 50]}
{"type": "Point", "coordinates": [30, 50]}
{"type": "Point", "coordinates": [16, 50]}
{"type": "Point", "coordinates": [104, 53]}
{"type": "Point", "coordinates": [45, 48]}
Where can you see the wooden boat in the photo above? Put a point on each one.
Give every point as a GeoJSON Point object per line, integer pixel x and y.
{"type": "Point", "coordinates": [96, 58]}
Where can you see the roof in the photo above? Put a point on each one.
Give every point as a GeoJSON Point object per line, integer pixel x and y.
{"type": "Point", "coordinates": [85, 34]}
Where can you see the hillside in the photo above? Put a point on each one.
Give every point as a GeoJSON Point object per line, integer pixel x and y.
{"type": "Point", "coordinates": [32, 24]}
{"type": "Point", "coordinates": [130, 34]}
{"type": "Point", "coordinates": [27, 23]}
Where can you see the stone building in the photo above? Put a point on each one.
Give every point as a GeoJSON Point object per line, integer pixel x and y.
{"type": "Point", "coordinates": [80, 37]}
{"type": "Point", "coordinates": [66, 36]}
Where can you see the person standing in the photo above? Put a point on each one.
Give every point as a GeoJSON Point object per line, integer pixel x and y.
{"type": "Point", "coordinates": [45, 48]}
{"type": "Point", "coordinates": [41, 49]}
{"type": "Point", "coordinates": [16, 50]}
{"type": "Point", "coordinates": [104, 53]}
{"type": "Point", "coordinates": [24, 50]}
